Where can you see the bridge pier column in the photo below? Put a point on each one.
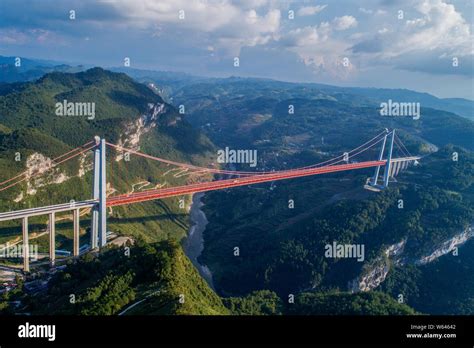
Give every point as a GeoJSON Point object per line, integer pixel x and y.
{"type": "Point", "coordinates": [76, 232]}
{"type": "Point", "coordinates": [102, 197]}
{"type": "Point", "coordinates": [26, 251]}
{"type": "Point", "coordinates": [52, 238]}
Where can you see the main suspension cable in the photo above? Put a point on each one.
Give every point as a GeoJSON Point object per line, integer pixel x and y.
{"type": "Point", "coordinates": [244, 173]}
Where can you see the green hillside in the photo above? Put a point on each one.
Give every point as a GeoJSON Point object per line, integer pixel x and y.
{"type": "Point", "coordinates": [282, 248]}
{"type": "Point", "coordinates": [157, 273]}
{"type": "Point", "coordinates": [334, 303]}
{"type": "Point", "coordinates": [30, 126]}
{"type": "Point", "coordinates": [243, 112]}
{"type": "Point", "coordinates": [445, 286]}
{"type": "Point", "coordinates": [158, 279]}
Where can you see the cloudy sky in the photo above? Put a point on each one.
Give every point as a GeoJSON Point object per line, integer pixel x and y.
{"type": "Point", "coordinates": [425, 45]}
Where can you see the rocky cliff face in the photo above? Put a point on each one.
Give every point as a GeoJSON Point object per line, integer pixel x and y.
{"type": "Point", "coordinates": [134, 130]}
{"type": "Point", "coordinates": [40, 173]}
{"type": "Point", "coordinates": [447, 247]}
{"type": "Point", "coordinates": [372, 278]}
{"type": "Point", "coordinates": [38, 164]}
{"type": "Point", "coordinates": [84, 165]}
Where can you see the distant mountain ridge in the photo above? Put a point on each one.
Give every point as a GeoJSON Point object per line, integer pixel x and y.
{"type": "Point", "coordinates": [372, 96]}
{"type": "Point", "coordinates": [30, 69]}
{"type": "Point", "coordinates": [170, 82]}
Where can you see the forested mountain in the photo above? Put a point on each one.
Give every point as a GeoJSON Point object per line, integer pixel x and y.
{"type": "Point", "coordinates": [252, 111]}
{"type": "Point", "coordinates": [158, 273]}
{"type": "Point", "coordinates": [281, 249]}
{"type": "Point", "coordinates": [170, 83]}
{"type": "Point", "coordinates": [126, 113]}
{"type": "Point", "coordinates": [158, 279]}
{"type": "Point", "coordinates": [205, 89]}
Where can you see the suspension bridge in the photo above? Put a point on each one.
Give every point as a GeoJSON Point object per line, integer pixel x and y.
{"type": "Point", "coordinates": [229, 178]}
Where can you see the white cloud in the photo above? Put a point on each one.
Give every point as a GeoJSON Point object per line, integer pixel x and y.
{"type": "Point", "coordinates": [366, 11]}
{"type": "Point", "coordinates": [436, 26]}
{"type": "Point", "coordinates": [319, 49]}
{"type": "Point", "coordinates": [344, 22]}
{"type": "Point", "coordinates": [231, 24]}
{"type": "Point", "coordinates": [301, 37]}
{"type": "Point", "coordinates": [251, 3]}
{"type": "Point", "coordinates": [432, 32]}
{"type": "Point", "coordinates": [426, 41]}
{"type": "Point", "coordinates": [29, 36]}
{"type": "Point", "coordinates": [249, 30]}
{"type": "Point", "coordinates": [439, 27]}
{"type": "Point", "coordinates": [310, 10]}
{"type": "Point", "coordinates": [369, 11]}
{"type": "Point", "coordinates": [10, 36]}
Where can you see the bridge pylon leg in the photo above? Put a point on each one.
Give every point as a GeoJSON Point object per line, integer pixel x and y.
{"type": "Point", "coordinates": [377, 169]}
{"type": "Point", "coordinates": [102, 197]}
{"type": "Point", "coordinates": [26, 249]}
{"type": "Point", "coordinates": [52, 238]}
{"type": "Point", "coordinates": [388, 165]}
{"type": "Point", "coordinates": [95, 194]}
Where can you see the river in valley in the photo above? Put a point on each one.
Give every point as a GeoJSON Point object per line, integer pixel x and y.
{"type": "Point", "coordinates": [194, 243]}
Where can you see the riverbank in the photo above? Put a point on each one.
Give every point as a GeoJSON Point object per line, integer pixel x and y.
{"type": "Point", "coordinates": [194, 243]}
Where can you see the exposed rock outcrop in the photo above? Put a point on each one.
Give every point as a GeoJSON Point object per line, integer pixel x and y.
{"type": "Point", "coordinates": [373, 277]}
{"type": "Point", "coordinates": [447, 247]}
{"type": "Point", "coordinates": [37, 165]}
{"type": "Point", "coordinates": [134, 130]}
